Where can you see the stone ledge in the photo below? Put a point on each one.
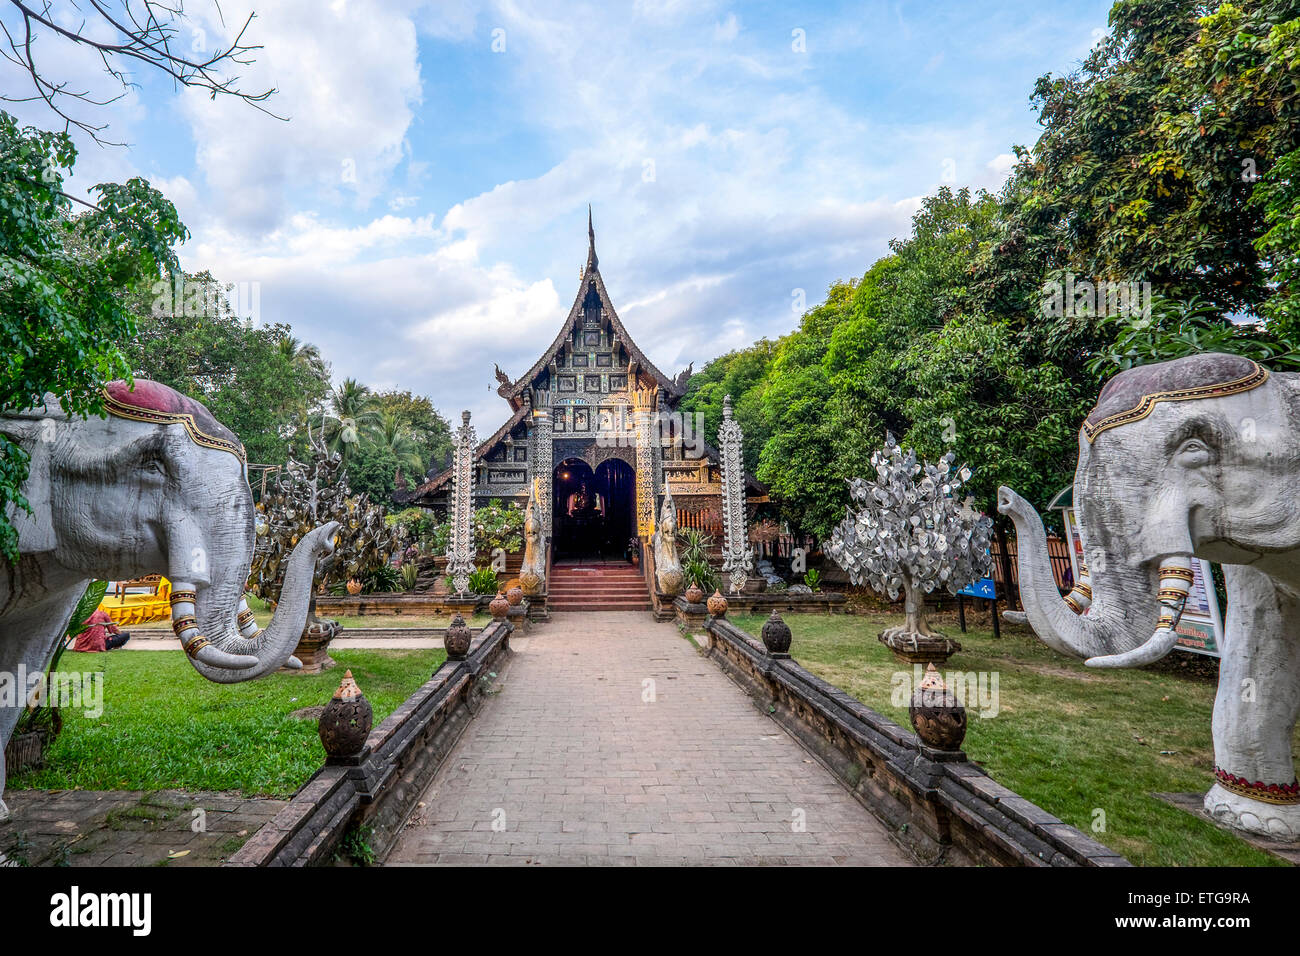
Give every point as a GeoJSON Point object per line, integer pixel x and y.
{"type": "Point", "coordinates": [380, 789]}
{"type": "Point", "coordinates": [400, 602]}
{"type": "Point", "coordinates": [941, 811]}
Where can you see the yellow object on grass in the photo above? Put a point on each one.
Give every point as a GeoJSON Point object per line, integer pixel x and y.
{"type": "Point", "coordinates": [130, 609]}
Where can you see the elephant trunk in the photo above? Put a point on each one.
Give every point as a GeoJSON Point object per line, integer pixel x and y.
{"type": "Point", "coordinates": [1113, 633]}
{"type": "Point", "coordinates": [217, 629]}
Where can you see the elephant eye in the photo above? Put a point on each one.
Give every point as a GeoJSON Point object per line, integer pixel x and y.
{"type": "Point", "coordinates": [1195, 452]}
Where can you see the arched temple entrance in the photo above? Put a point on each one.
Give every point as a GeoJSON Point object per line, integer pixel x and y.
{"type": "Point", "coordinates": [593, 511]}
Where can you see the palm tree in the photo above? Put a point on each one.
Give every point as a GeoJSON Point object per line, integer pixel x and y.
{"type": "Point", "coordinates": [387, 430]}
{"type": "Point", "coordinates": [350, 403]}
{"type": "Point", "coordinates": [297, 351]}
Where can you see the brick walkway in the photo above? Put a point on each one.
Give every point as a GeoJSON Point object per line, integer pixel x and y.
{"type": "Point", "coordinates": [568, 765]}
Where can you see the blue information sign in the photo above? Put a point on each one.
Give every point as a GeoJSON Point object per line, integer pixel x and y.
{"type": "Point", "coordinates": [980, 589]}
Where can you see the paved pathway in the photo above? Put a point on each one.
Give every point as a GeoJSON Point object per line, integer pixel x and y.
{"type": "Point", "coordinates": [569, 765]}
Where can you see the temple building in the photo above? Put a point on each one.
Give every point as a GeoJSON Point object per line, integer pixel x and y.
{"type": "Point", "coordinates": [596, 424]}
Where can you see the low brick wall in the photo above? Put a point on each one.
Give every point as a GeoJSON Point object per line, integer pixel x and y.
{"type": "Point", "coordinates": [400, 602]}
{"type": "Point", "coordinates": [943, 810]}
{"type": "Point", "coordinates": [785, 602]}
{"type": "Point", "coordinates": [379, 789]}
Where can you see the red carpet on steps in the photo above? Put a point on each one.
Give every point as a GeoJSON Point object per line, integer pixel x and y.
{"type": "Point", "coordinates": [598, 587]}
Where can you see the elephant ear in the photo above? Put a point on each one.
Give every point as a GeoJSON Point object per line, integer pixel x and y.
{"type": "Point", "coordinates": [35, 530]}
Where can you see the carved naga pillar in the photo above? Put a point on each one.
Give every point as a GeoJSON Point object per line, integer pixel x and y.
{"type": "Point", "coordinates": [737, 562]}
{"type": "Point", "coordinates": [644, 402]}
{"type": "Point", "coordinates": [532, 574]}
{"type": "Point", "coordinates": [668, 567]}
{"type": "Point", "coordinates": [460, 542]}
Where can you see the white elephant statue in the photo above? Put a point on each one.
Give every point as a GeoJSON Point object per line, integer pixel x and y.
{"type": "Point", "coordinates": [1198, 457]}
{"type": "Point", "coordinates": [159, 486]}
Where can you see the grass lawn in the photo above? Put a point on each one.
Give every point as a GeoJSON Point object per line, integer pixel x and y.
{"type": "Point", "coordinates": [1070, 738]}
{"type": "Point", "coordinates": [165, 726]}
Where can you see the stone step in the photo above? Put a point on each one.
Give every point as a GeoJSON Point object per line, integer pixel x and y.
{"type": "Point", "coordinates": [604, 606]}
{"type": "Point", "coordinates": [596, 583]}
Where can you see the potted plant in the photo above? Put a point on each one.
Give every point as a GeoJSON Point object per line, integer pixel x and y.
{"type": "Point", "coordinates": [698, 574]}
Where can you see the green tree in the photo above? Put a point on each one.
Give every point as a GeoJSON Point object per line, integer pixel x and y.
{"type": "Point", "coordinates": [349, 401]}
{"type": "Point", "coordinates": [743, 376]}
{"type": "Point", "coordinates": [399, 413]}
{"type": "Point", "coordinates": [1278, 195]}
{"type": "Point", "coordinates": [189, 338]}
{"type": "Point", "coordinates": [373, 469]}
{"type": "Point", "coordinates": [797, 461]}
{"type": "Point", "coordinates": [62, 310]}
{"type": "Point", "coordinates": [1148, 156]}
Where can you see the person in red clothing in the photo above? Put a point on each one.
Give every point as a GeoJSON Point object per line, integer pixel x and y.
{"type": "Point", "coordinates": [101, 634]}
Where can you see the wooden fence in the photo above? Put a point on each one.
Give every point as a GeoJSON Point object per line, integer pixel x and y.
{"type": "Point", "coordinates": [1057, 551]}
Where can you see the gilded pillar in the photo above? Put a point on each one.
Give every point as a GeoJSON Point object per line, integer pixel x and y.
{"type": "Point", "coordinates": [644, 403]}
{"type": "Point", "coordinates": [543, 469]}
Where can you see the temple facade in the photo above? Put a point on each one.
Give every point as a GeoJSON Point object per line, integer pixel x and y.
{"type": "Point", "coordinates": [594, 426]}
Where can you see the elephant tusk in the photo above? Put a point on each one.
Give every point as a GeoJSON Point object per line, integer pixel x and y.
{"type": "Point", "coordinates": [1176, 579]}
{"type": "Point", "coordinates": [198, 647]}
{"type": "Point", "coordinates": [214, 656]}
{"type": "Point", "coordinates": [292, 663]}
{"type": "Point", "coordinates": [1160, 644]}
{"type": "Point", "coordinates": [1015, 617]}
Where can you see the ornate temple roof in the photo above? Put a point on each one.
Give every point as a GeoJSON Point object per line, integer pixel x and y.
{"type": "Point", "coordinates": [518, 392]}
{"type": "Point", "coordinates": [591, 278]}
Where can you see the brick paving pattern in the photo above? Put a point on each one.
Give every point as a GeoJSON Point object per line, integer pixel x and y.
{"type": "Point", "coordinates": [128, 827]}
{"type": "Point", "coordinates": [568, 765]}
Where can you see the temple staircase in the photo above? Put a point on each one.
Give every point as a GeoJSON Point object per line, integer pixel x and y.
{"type": "Point", "coordinates": [613, 586]}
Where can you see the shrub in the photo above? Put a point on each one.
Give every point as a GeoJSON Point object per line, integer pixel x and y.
{"type": "Point", "coordinates": [695, 560]}
{"type": "Point", "coordinates": [483, 581]}
{"type": "Point", "coordinates": [381, 580]}
{"type": "Point", "coordinates": [498, 526]}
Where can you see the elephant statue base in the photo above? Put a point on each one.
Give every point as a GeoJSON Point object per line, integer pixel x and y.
{"type": "Point", "coordinates": [313, 646]}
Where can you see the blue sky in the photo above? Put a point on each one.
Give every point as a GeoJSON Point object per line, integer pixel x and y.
{"type": "Point", "coordinates": [422, 214]}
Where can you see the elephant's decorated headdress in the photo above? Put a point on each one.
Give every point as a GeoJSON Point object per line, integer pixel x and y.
{"type": "Point", "coordinates": [146, 401]}
{"type": "Point", "coordinates": [1130, 396]}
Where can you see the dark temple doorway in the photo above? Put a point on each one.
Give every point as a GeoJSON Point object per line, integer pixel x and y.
{"type": "Point", "coordinates": [593, 517]}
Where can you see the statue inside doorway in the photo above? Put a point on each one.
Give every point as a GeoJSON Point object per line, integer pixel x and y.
{"type": "Point", "coordinates": [584, 502]}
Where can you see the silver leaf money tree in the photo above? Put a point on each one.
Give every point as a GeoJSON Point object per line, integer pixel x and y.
{"type": "Point", "coordinates": [909, 533]}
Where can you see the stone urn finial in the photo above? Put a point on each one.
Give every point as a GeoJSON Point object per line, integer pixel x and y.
{"type": "Point", "coordinates": [499, 607]}
{"type": "Point", "coordinates": [694, 594]}
{"type": "Point", "coordinates": [457, 641]}
{"type": "Point", "coordinates": [776, 636]}
{"type": "Point", "coordinates": [514, 596]}
{"type": "Point", "coordinates": [937, 715]}
{"type": "Point", "coordinates": [717, 604]}
{"type": "Point", "coordinates": [346, 721]}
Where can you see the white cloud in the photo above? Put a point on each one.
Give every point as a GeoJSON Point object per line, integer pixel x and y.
{"type": "Point", "coordinates": [348, 78]}
{"type": "Point", "coordinates": [1001, 165]}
